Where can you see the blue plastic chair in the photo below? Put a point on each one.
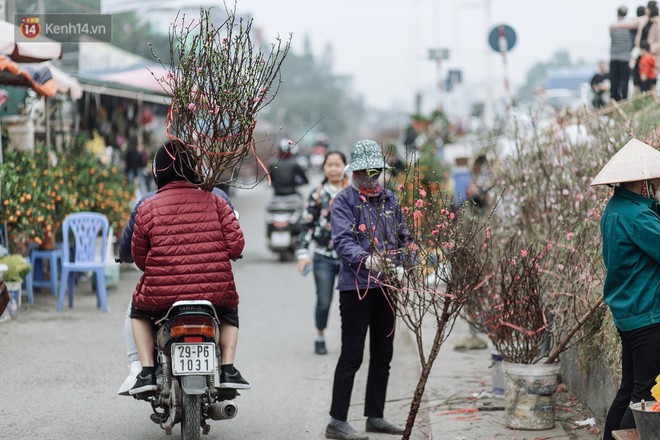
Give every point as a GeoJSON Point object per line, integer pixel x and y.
{"type": "Point", "coordinates": [85, 228]}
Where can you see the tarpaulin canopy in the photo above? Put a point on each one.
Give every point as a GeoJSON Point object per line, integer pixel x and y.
{"type": "Point", "coordinates": [40, 80]}
{"type": "Point", "coordinates": [135, 82]}
{"type": "Point", "coordinates": [38, 50]}
{"type": "Point", "coordinates": [43, 78]}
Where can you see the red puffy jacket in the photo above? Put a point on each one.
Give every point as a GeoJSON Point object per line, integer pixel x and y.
{"type": "Point", "coordinates": [182, 240]}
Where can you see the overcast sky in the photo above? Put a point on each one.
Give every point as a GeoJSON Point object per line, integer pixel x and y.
{"type": "Point", "coordinates": [384, 43]}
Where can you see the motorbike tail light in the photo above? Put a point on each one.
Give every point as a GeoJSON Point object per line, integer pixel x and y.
{"type": "Point", "coordinates": [192, 325]}
{"type": "Point", "coordinates": [193, 339]}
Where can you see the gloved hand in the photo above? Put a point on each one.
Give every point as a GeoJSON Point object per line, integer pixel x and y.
{"type": "Point", "coordinates": [376, 263]}
{"type": "Point", "coordinates": [400, 273]}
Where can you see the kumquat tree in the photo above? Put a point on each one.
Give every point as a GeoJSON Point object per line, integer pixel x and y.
{"type": "Point", "coordinates": [219, 80]}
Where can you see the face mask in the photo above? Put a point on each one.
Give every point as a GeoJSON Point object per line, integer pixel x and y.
{"type": "Point", "coordinates": [367, 182]}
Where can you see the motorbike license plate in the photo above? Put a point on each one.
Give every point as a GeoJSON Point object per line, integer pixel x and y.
{"type": "Point", "coordinates": [280, 239]}
{"type": "Point", "coordinates": [193, 359]}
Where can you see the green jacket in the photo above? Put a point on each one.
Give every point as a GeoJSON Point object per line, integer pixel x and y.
{"type": "Point", "coordinates": [631, 251]}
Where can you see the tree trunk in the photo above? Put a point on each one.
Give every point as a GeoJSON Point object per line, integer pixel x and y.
{"type": "Point", "coordinates": [424, 376]}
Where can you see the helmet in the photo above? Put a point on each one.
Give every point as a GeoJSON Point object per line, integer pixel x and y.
{"type": "Point", "coordinates": [286, 145]}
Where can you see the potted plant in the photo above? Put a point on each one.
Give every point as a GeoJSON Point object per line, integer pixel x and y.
{"type": "Point", "coordinates": [36, 197]}
{"type": "Point", "coordinates": [17, 269]}
{"type": "Point", "coordinates": [508, 306]}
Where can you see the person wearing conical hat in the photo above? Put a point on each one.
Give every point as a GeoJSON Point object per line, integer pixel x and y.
{"type": "Point", "coordinates": [630, 227]}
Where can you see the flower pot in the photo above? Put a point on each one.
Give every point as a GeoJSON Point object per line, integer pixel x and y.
{"type": "Point", "coordinates": [14, 288]}
{"type": "Point", "coordinates": [647, 422]}
{"type": "Point", "coordinates": [530, 395]}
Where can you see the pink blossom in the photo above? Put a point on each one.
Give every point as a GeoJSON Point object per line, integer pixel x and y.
{"type": "Point", "coordinates": [417, 215]}
{"type": "Point", "coordinates": [257, 99]}
{"type": "Point", "coordinates": [199, 69]}
{"type": "Point", "coordinates": [422, 193]}
{"type": "Point", "coordinates": [565, 192]}
{"type": "Point", "coordinates": [487, 232]}
{"type": "Point", "coordinates": [375, 240]}
{"type": "Point", "coordinates": [580, 197]}
{"type": "Point", "coordinates": [435, 232]}
{"type": "Point", "coordinates": [362, 227]}
{"type": "Point", "coordinates": [524, 253]}
{"type": "Point", "coordinates": [289, 142]}
{"type": "Point", "coordinates": [560, 266]}
{"type": "Point", "coordinates": [419, 203]}
{"type": "Point", "coordinates": [451, 216]}
{"type": "Point", "coordinates": [399, 188]}
{"type": "Point", "coordinates": [363, 198]}
{"type": "Point", "coordinates": [569, 236]}
{"type": "Point", "coordinates": [548, 247]}
{"type": "Point", "coordinates": [192, 106]}
{"type": "Point", "coordinates": [513, 261]}
{"type": "Point", "coordinates": [405, 210]}
{"type": "Point", "coordinates": [373, 228]}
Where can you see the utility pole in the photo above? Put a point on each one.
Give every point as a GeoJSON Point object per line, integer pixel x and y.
{"type": "Point", "coordinates": [438, 55]}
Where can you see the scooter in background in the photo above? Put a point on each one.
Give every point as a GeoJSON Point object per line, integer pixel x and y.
{"type": "Point", "coordinates": [283, 225]}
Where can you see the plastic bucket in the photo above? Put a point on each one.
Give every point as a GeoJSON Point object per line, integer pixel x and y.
{"type": "Point", "coordinates": [648, 422]}
{"type": "Point", "coordinates": [530, 395]}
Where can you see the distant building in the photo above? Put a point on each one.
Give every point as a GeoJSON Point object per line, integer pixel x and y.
{"type": "Point", "coordinates": [161, 13]}
{"type": "Point", "coordinates": [569, 78]}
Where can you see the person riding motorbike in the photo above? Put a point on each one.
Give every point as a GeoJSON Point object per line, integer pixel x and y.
{"type": "Point", "coordinates": [178, 268]}
{"type": "Point", "coordinates": [135, 367]}
{"type": "Point", "coordinates": [285, 172]}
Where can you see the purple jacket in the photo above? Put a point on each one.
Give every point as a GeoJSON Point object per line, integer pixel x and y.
{"type": "Point", "coordinates": [349, 211]}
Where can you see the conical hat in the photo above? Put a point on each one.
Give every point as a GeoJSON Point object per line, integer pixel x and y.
{"type": "Point", "coordinates": [635, 161]}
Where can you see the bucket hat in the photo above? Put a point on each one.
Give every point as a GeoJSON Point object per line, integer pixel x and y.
{"type": "Point", "coordinates": [366, 154]}
{"type": "Point", "coordinates": [634, 162]}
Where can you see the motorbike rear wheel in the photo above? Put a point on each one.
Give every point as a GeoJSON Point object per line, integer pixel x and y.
{"type": "Point", "coordinates": [191, 417]}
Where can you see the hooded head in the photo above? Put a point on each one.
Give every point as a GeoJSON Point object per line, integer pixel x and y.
{"type": "Point", "coordinates": [170, 165]}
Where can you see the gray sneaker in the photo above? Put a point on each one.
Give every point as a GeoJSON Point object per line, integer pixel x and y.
{"type": "Point", "coordinates": [333, 433]}
{"type": "Point", "coordinates": [383, 426]}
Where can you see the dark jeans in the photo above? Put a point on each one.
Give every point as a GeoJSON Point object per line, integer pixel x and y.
{"type": "Point", "coordinates": [372, 313]}
{"type": "Point", "coordinates": [326, 270]}
{"type": "Point", "coordinates": [640, 360]}
{"type": "Point", "coordinates": [619, 78]}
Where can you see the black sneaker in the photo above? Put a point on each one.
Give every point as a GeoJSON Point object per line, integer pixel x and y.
{"type": "Point", "coordinates": [143, 385]}
{"type": "Point", "coordinates": [319, 347]}
{"type": "Point", "coordinates": [233, 380]}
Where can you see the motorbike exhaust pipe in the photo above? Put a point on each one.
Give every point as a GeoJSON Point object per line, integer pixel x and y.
{"type": "Point", "coordinates": [223, 410]}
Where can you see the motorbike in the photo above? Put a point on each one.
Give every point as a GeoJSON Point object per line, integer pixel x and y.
{"type": "Point", "coordinates": [283, 225]}
{"type": "Point", "coordinates": [187, 371]}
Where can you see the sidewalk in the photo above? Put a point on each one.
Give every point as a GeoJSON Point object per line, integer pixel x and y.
{"type": "Point", "coordinates": [461, 407]}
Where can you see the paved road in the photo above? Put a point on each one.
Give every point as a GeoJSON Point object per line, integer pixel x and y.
{"type": "Point", "coordinates": [59, 372]}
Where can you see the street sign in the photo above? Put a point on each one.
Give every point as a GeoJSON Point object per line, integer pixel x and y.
{"type": "Point", "coordinates": [502, 38]}
{"type": "Point", "coordinates": [439, 54]}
